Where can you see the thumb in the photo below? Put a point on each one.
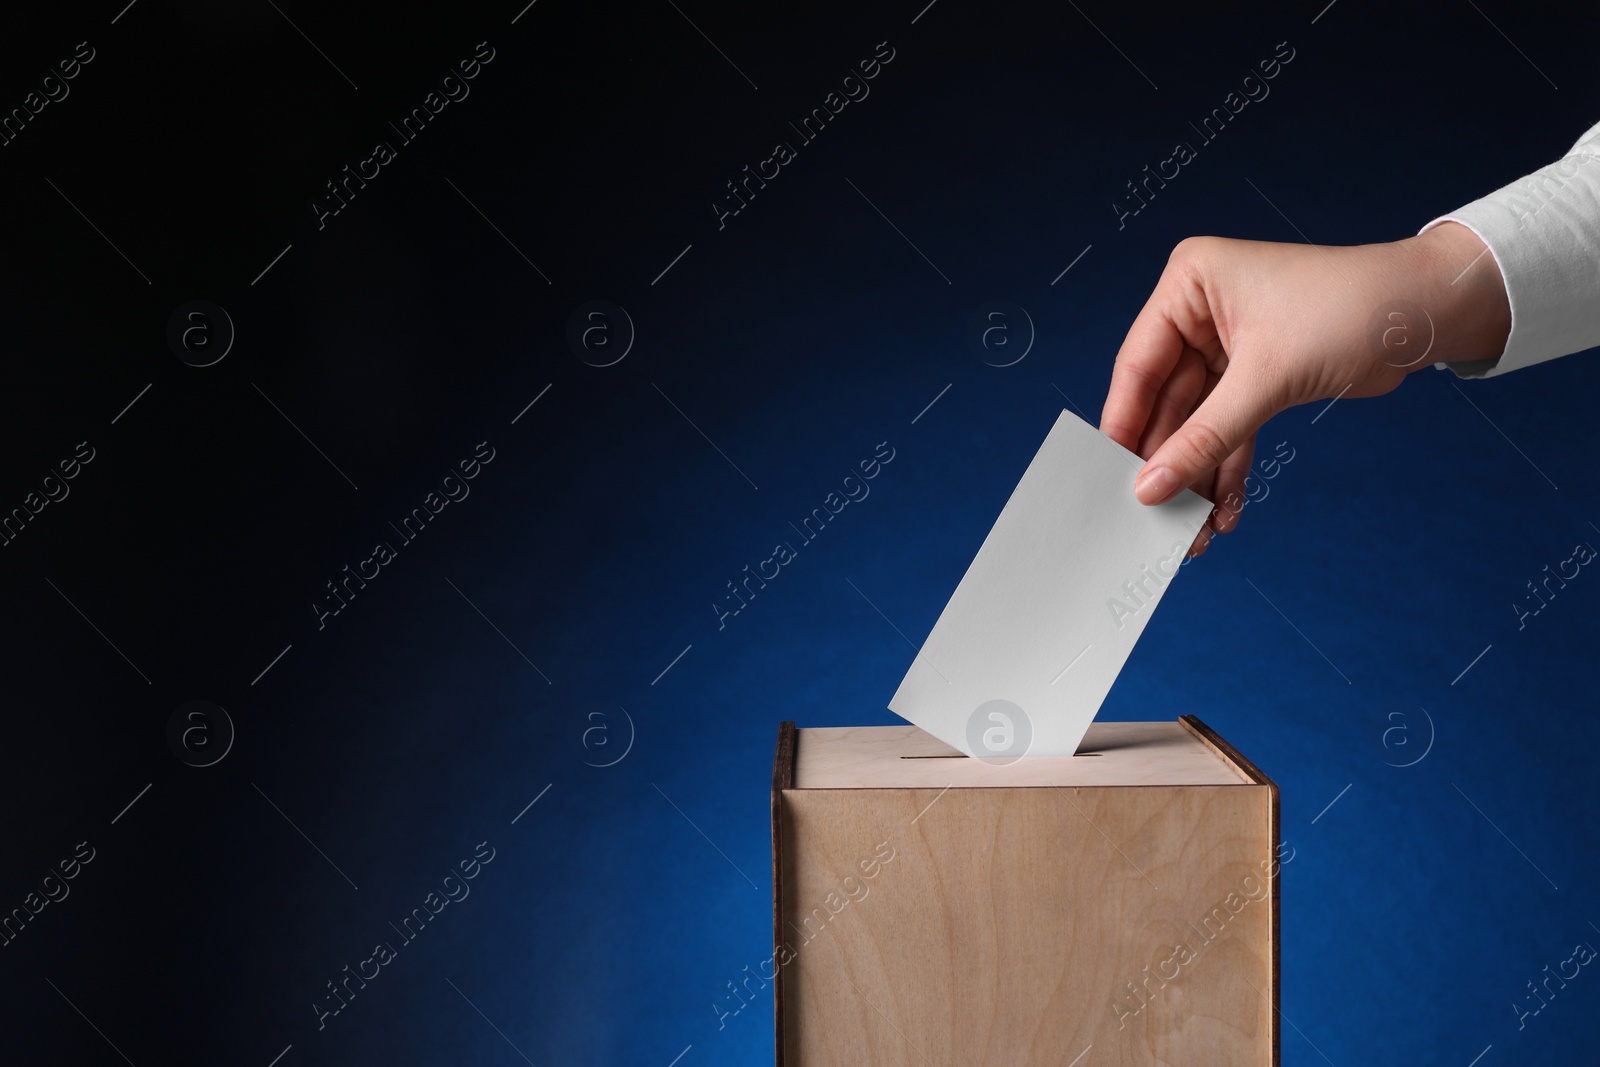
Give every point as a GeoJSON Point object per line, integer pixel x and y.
{"type": "Point", "coordinates": [1222, 423]}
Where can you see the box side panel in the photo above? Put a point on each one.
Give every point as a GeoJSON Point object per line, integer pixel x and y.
{"type": "Point", "coordinates": [1249, 771]}
{"type": "Point", "coordinates": [1021, 926]}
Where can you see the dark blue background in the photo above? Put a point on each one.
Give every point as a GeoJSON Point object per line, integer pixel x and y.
{"type": "Point", "coordinates": [797, 338]}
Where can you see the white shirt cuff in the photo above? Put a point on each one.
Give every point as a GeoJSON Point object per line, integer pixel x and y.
{"type": "Point", "coordinates": [1543, 232]}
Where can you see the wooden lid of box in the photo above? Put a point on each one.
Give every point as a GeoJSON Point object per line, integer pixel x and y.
{"type": "Point", "coordinates": [1184, 752]}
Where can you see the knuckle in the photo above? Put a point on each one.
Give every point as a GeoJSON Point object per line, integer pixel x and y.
{"type": "Point", "coordinates": [1191, 252]}
{"type": "Point", "coordinates": [1122, 432]}
{"type": "Point", "coordinates": [1205, 445]}
{"type": "Point", "coordinates": [1142, 377]}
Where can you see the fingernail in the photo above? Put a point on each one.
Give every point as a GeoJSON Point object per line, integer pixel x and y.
{"type": "Point", "coordinates": [1155, 485]}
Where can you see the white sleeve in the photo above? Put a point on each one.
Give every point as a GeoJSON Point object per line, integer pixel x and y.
{"type": "Point", "coordinates": [1544, 233]}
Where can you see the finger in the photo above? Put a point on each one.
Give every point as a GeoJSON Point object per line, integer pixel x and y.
{"type": "Point", "coordinates": [1220, 426]}
{"type": "Point", "coordinates": [1207, 488]}
{"type": "Point", "coordinates": [1225, 515]}
{"type": "Point", "coordinates": [1231, 488]}
{"type": "Point", "coordinates": [1175, 402]}
{"type": "Point", "coordinates": [1206, 485]}
{"type": "Point", "coordinates": [1145, 361]}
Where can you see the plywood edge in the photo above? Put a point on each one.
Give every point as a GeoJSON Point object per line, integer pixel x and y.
{"type": "Point", "coordinates": [1277, 937]}
{"type": "Point", "coordinates": [1229, 755]}
{"type": "Point", "coordinates": [782, 778]}
{"type": "Point", "coordinates": [783, 763]}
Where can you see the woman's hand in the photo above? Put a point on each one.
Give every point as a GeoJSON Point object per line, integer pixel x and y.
{"type": "Point", "coordinates": [1237, 331]}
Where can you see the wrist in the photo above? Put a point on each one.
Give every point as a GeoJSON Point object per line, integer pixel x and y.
{"type": "Point", "coordinates": [1454, 277]}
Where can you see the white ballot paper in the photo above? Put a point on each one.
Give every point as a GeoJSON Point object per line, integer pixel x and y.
{"type": "Point", "coordinates": [1038, 629]}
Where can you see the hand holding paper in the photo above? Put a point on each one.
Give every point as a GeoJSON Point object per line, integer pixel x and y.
{"type": "Point", "coordinates": [1035, 634]}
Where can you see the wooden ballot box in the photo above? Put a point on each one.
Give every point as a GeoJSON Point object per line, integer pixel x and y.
{"type": "Point", "coordinates": [1119, 906]}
